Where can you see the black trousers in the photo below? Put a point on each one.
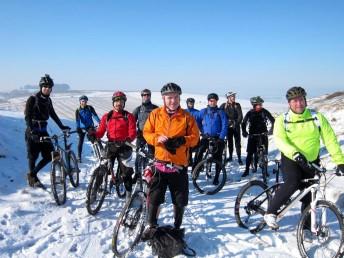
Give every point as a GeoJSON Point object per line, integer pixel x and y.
{"type": "Point", "coordinates": [81, 143]}
{"type": "Point", "coordinates": [234, 132]}
{"type": "Point", "coordinates": [292, 176]}
{"type": "Point", "coordinates": [203, 146]}
{"type": "Point", "coordinates": [252, 144]}
{"type": "Point", "coordinates": [34, 148]}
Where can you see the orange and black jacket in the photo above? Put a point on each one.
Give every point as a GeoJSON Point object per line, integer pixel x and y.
{"type": "Point", "coordinates": [179, 124]}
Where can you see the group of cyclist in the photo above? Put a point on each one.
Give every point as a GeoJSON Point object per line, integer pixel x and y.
{"type": "Point", "coordinates": [172, 133]}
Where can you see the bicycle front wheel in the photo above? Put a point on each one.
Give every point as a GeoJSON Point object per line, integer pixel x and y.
{"type": "Point", "coordinates": [206, 178]}
{"type": "Point", "coordinates": [58, 182]}
{"type": "Point", "coordinates": [129, 226]}
{"type": "Point", "coordinates": [73, 169]}
{"type": "Point", "coordinates": [96, 190]}
{"type": "Point", "coordinates": [119, 184]}
{"type": "Point", "coordinates": [251, 205]}
{"type": "Point", "coordinates": [327, 241]}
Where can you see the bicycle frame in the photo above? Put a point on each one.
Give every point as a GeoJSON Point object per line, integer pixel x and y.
{"type": "Point", "coordinates": [58, 149]}
{"type": "Point", "coordinates": [317, 190]}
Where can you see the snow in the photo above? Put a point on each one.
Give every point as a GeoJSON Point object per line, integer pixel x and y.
{"type": "Point", "coordinates": [32, 225]}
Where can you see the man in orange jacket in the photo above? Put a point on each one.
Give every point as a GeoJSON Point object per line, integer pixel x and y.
{"type": "Point", "coordinates": [172, 131]}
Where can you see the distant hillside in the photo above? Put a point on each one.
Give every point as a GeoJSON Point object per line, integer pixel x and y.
{"type": "Point", "coordinates": [332, 105]}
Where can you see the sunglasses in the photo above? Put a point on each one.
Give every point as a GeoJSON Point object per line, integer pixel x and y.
{"type": "Point", "coordinates": [47, 86]}
{"type": "Point", "coordinates": [118, 99]}
{"type": "Point", "coordinates": [145, 94]}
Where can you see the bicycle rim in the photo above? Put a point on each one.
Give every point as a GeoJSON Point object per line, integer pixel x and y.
{"type": "Point", "coordinates": [251, 205]}
{"type": "Point", "coordinates": [204, 176]}
{"type": "Point", "coordinates": [73, 170]}
{"type": "Point", "coordinates": [96, 190]}
{"type": "Point", "coordinates": [58, 182]}
{"type": "Point", "coordinates": [129, 226]}
{"type": "Point", "coordinates": [328, 240]}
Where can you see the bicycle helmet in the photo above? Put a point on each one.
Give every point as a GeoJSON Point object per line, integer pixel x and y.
{"type": "Point", "coordinates": [119, 95]}
{"type": "Point", "coordinates": [256, 100]}
{"type": "Point", "coordinates": [170, 88]}
{"type": "Point", "coordinates": [192, 100]}
{"type": "Point", "coordinates": [213, 96]}
{"type": "Point", "coordinates": [146, 91]}
{"type": "Point", "coordinates": [83, 97]}
{"type": "Point", "coordinates": [296, 91]}
{"type": "Point", "coordinates": [230, 93]}
{"type": "Point", "coordinates": [46, 81]}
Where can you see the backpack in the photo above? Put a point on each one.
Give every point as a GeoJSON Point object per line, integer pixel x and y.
{"type": "Point", "coordinates": [168, 242]}
{"type": "Point", "coordinates": [314, 118]}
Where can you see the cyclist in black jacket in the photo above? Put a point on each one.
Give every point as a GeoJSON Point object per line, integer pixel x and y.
{"type": "Point", "coordinates": [234, 115]}
{"type": "Point", "coordinates": [257, 118]}
{"type": "Point", "coordinates": [38, 109]}
{"type": "Point", "coordinates": [141, 114]}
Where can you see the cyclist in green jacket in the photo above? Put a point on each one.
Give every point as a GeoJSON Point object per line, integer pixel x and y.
{"type": "Point", "coordinates": [297, 135]}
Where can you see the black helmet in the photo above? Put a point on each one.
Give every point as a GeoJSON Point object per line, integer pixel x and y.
{"type": "Point", "coordinates": [294, 92]}
{"type": "Point", "coordinates": [192, 100]}
{"type": "Point", "coordinates": [256, 100]}
{"type": "Point", "coordinates": [230, 93]}
{"type": "Point", "coordinates": [171, 88]}
{"type": "Point", "coordinates": [146, 91]}
{"type": "Point", "coordinates": [83, 97]}
{"type": "Point", "coordinates": [46, 81]}
{"type": "Point", "coordinates": [213, 96]}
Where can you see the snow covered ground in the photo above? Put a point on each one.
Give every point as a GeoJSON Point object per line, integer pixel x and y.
{"type": "Point", "coordinates": [31, 225]}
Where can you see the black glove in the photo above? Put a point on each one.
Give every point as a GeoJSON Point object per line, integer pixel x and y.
{"type": "Point", "coordinates": [79, 130]}
{"type": "Point", "coordinates": [65, 127]}
{"type": "Point", "coordinates": [301, 161]}
{"type": "Point", "coordinates": [244, 133]}
{"type": "Point", "coordinates": [170, 146]}
{"type": "Point", "coordinates": [340, 170]}
{"type": "Point", "coordinates": [91, 135]}
{"type": "Point", "coordinates": [178, 141]}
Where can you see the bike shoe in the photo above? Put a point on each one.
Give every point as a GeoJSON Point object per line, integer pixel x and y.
{"type": "Point", "coordinates": [149, 232]}
{"type": "Point", "coordinates": [270, 220]}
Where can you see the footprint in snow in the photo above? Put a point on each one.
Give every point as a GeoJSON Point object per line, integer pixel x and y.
{"type": "Point", "coordinates": [73, 248]}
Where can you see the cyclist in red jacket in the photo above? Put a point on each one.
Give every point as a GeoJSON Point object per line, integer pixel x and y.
{"type": "Point", "coordinates": [120, 126]}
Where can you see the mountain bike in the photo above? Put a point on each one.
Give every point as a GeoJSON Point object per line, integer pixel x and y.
{"type": "Point", "coordinates": [98, 186]}
{"type": "Point", "coordinates": [260, 159]}
{"type": "Point", "coordinates": [206, 171]}
{"type": "Point", "coordinates": [131, 222]}
{"type": "Point", "coordinates": [324, 236]}
{"type": "Point", "coordinates": [141, 161]}
{"type": "Point", "coordinates": [64, 163]}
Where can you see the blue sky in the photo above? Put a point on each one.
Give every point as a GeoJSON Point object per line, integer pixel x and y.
{"type": "Point", "coordinates": [251, 47]}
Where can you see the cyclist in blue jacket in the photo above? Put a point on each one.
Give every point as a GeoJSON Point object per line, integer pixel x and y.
{"type": "Point", "coordinates": [190, 103]}
{"type": "Point", "coordinates": [84, 116]}
{"type": "Point", "coordinates": [213, 122]}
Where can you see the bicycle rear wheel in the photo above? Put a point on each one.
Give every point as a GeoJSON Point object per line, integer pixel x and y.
{"type": "Point", "coordinates": [129, 226]}
{"type": "Point", "coordinates": [96, 190]}
{"type": "Point", "coordinates": [251, 205]}
{"type": "Point", "coordinates": [328, 239]}
{"type": "Point", "coordinates": [58, 182]}
{"type": "Point", "coordinates": [73, 169]}
{"type": "Point", "coordinates": [204, 176]}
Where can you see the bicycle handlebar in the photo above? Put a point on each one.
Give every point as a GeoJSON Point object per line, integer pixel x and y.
{"type": "Point", "coordinates": [150, 157]}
